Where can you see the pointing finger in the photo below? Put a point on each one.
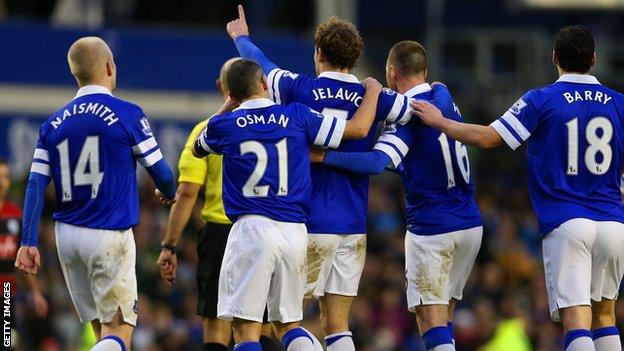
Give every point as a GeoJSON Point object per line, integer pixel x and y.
{"type": "Point", "coordinates": [241, 12]}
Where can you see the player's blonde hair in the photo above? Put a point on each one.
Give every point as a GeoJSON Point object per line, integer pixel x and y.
{"type": "Point", "coordinates": [87, 59]}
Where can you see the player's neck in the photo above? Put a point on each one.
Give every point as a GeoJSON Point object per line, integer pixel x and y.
{"type": "Point", "coordinates": [562, 72]}
{"type": "Point", "coordinates": [255, 97]}
{"type": "Point", "coordinates": [104, 84]}
{"type": "Point", "coordinates": [327, 68]}
{"type": "Point", "coordinates": [403, 85]}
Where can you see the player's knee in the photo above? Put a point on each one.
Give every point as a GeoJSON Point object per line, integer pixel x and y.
{"type": "Point", "coordinates": [603, 314]}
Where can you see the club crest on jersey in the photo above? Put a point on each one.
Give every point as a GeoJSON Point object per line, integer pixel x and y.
{"type": "Point", "coordinates": [517, 106]}
{"type": "Point", "coordinates": [147, 130]}
{"type": "Point", "coordinates": [388, 91]}
{"type": "Point", "coordinates": [291, 75]}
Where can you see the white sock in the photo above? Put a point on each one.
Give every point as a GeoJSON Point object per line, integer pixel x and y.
{"type": "Point", "coordinates": [317, 344]}
{"type": "Point", "coordinates": [109, 344]}
{"type": "Point", "coordinates": [608, 343]}
{"type": "Point", "coordinates": [340, 342]}
{"type": "Point", "coordinates": [301, 344]}
{"type": "Point", "coordinates": [584, 343]}
{"type": "Point", "coordinates": [444, 347]}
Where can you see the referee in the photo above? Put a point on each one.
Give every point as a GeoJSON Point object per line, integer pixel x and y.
{"type": "Point", "coordinates": [195, 173]}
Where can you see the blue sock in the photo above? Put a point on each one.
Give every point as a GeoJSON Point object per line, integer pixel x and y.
{"type": "Point", "coordinates": [449, 325]}
{"type": "Point", "coordinates": [293, 335]}
{"type": "Point", "coordinates": [437, 336]}
{"type": "Point", "coordinates": [248, 346]}
{"type": "Point", "coordinates": [602, 332]}
{"type": "Point", "coordinates": [577, 335]}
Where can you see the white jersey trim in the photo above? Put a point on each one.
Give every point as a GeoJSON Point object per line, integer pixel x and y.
{"type": "Point", "coordinates": [516, 125]}
{"type": "Point", "coordinates": [41, 154]}
{"type": "Point", "coordinates": [323, 131]}
{"type": "Point", "coordinates": [396, 141]}
{"type": "Point", "coordinates": [151, 159]}
{"type": "Point", "coordinates": [144, 146]}
{"type": "Point", "coordinates": [41, 168]}
{"type": "Point", "coordinates": [393, 114]}
{"type": "Point", "coordinates": [390, 151]}
{"type": "Point", "coordinates": [271, 81]}
{"type": "Point", "coordinates": [203, 143]}
{"type": "Point", "coordinates": [337, 134]}
{"type": "Point", "coordinates": [505, 134]}
{"type": "Point", "coordinates": [578, 78]}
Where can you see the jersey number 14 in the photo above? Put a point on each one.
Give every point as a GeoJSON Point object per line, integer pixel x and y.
{"type": "Point", "coordinates": [89, 156]}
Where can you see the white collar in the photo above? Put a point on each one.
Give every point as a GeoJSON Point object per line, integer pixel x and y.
{"type": "Point", "coordinates": [418, 89]}
{"type": "Point", "coordinates": [92, 89]}
{"type": "Point", "coordinates": [345, 77]}
{"type": "Point", "coordinates": [578, 78]}
{"type": "Point", "coordinates": [255, 103]}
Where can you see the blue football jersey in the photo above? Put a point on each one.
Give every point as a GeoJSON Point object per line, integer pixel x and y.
{"type": "Point", "coordinates": [574, 147]}
{"type": "Point", "coordinates": [436, 174]}
{"type": "Point", "coordinates": [339, 198]}
{"type": "Point", "coordinates": [266, 157]}
{"type": "Point", "coordinates": [90, 148]}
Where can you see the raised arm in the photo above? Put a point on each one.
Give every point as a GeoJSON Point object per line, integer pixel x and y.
{"type": "Point", "coordinates": [472, 134]}
{"type": "Point", "coordinates": [239, 32]}
{"type": "Point", "coordinates": [359, 126]}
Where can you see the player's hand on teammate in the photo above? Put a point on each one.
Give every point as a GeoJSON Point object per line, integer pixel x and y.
{"type": "Point", "coordinates": [168, 264]}
{"type": "Point", "coordinates": [317, 154]}
{"type": "Point", "coordinates": [228, 106]}
{"type": "Point", "coordinates": [28, 259]}
{"type": "Point", "coordinates": [163, 199]}
{"type": "Point", "coordinates": [238, 26]}
{"type": "Point", "coordinates": [428, 113]}
{"type": "Point", "coordinates": [372, 84]}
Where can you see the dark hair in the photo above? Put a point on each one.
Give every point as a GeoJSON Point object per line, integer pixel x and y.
{"type": "Point", "coordinates": [243, 79]}
{"type": "Point", "coordinates": [409, 57]}
{"type": "Point", "coordinates": [574, 49]}
{"type": "Point", "coordinates": [3, 161]}
{"type": "Point", "coordinates": [340, 42]}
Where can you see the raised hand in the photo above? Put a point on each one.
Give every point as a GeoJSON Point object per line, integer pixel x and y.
{"type": "Point", "coordinates": [429, 114]}
{"type": "Point", "coordinates": [238, 26]}
{"type": "Point", "coordinates": [28, 259]}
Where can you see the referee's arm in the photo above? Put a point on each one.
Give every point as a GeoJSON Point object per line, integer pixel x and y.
{"type": "Point", "coordinates": [192, 177]}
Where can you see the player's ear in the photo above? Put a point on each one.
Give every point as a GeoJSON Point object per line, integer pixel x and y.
{"type": "Point", "coordinates": [594, 59]}
{"type": "Point", "coordinates": [426, 73]}
{"type": "Point", "coordinates": [263, 83]}
{"type": "Point", "coordinates": [319, 54]}
{"type": "Point", "coordinates": [555, 59]}
{"type": "Point", "coordinates": [109, 69]}
{"type": "Point", "coordinates": [218, 85]}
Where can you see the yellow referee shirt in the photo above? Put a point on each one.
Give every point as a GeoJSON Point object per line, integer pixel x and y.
{"type": "Point", "coordinates": [207, 172]}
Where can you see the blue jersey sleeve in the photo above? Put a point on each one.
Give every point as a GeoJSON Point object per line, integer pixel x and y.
{"type": "Point", "coordinates": [372, 162]}
{"type": "Point", "coordinates": [211, 138]}
{"type": "Point", "coordinates": [516, 125]}
{"type": "Point", "coordinates": [283, 85]}
{"type": "Point", "coordinates": [38, 181]}
{"type": "Point", "coordinates": [393, 107]}
{"type": "Point", "coordinates": [395, 141]}
{"type": "Point", "coordinates": [146, 151]}
{"type": "Point", "coordinates": [322, 130]}
{"type": "Point", "coordinates": [441, 98]}
{"type": "Point", "coordinates": [249, 51]}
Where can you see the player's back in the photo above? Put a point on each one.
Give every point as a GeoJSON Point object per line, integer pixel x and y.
{"type": "Point", "coordinates": [266, 165]}
{"type": "Point", "coordinates": [575, 150]}
{"type": "Point", "coordinates": [91, 144]}
{"type": "Point", "coordinates": [339, 198]}
{"type": "Point", "coordinates": [435, 173]}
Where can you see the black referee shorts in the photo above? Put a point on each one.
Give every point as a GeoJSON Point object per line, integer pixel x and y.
{"type": "Point", "coordinates": [210, 248]}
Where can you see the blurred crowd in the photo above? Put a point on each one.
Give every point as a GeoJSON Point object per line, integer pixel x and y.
{"type": "Point", "coordinates": [504, 306]}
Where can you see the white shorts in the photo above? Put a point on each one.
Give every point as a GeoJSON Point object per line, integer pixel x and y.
{"type": "Point", "coordinates": [438, 266]}
{"type": "Point", "coordinates": [335, 263]}
{"type": "Point", "coordinates": [583, 261]}
{"type": "Point", "coordinates": [263, 266]}
{"type": "Point", "coordinates": [99, 269]}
